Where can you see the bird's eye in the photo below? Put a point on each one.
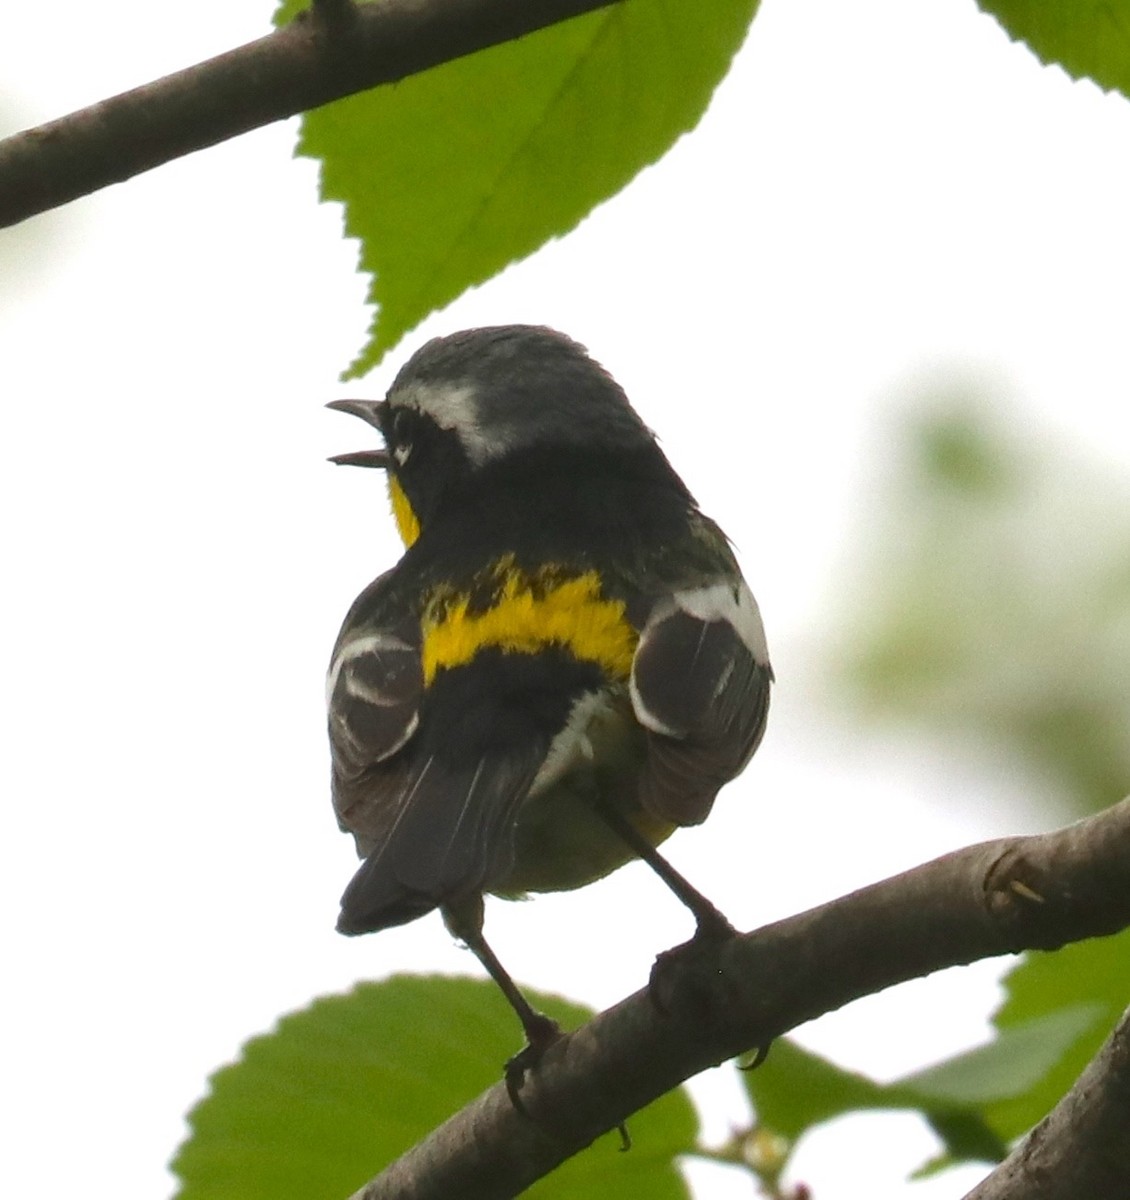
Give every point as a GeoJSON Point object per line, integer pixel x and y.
{"type": "Point", "coordinates": [401, 425]}
{"type": "Point", "coordinates": [400, 436]}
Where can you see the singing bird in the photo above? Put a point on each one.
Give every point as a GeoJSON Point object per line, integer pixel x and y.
{"type": "Point", "coordinates": [564, 666]}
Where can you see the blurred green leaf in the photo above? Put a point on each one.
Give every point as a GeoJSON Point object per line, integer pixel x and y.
{"type": "Point", "coordinates": [997, 601]}
{"type": "Point", "coordinates": [979, 1101]}
{"type": "Point", "coordinates": [957, 456]}
{"type": "Point", "coordinates": [1088, 38]}
{"type": "Point", "coordinates": [455, 172]}
{"type": "Point", "coordinates": [965, 1138]}
{"type": "Point", "coordinates": [340, 1089]}
{"type": "Point", "coordinates": [1013, 1064]}
{"type": "Point", "coordinates": [1095, 970]}
{"type": "Point", "coordinates": [795, 1089]}
{"type": "Point", "coordinates": [1092, 975]}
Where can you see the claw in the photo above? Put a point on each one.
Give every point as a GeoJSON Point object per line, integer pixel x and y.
{"type": "Point", "coordinates": [675, 970]}
{"type": "Point", "coordinates": [541, 1033]}
{"type": "Point", "coordinates": [760, 1054]}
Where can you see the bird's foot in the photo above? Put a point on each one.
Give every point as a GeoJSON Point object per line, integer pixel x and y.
{"type": "Point", "coordinates": [682, 977]}
{"type": "Point", "coordinates": [541, 1033]}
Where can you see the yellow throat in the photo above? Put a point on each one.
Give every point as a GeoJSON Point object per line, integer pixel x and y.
{"type": "Point", "coordinates": [407, 522]}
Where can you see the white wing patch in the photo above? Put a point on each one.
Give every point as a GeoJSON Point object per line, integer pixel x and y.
{"type": "Point", "coordinates": [377, 643]}
{"type": "Point", "coordinates": [371, 693]}
{"type": "Point", "coordinates": [731, 602]}
{"type": "Point", "coordinates": [648, 719]}
{"type": "Point", "coordinates": [727, 602]}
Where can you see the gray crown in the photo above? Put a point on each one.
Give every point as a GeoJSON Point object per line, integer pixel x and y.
{"type": "Point", "coordinates": [507, 387]}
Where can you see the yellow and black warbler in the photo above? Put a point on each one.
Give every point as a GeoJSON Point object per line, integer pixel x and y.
{"type": "Point", "coordinates": [564, 666]}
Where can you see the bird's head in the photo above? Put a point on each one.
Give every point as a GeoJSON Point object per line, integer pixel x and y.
{"type": "Point", "coordinates": [465, 403]}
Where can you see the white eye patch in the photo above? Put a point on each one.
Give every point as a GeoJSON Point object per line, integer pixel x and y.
{"type": "Point", "coordinates": [451, 406]}
{"type": "Point", "coordinates": [401, 453]}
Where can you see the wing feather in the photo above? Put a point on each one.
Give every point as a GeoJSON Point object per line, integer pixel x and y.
{"type": "Point", "coordinates": [375, 683]}
{"type": "Point", "coordinates": [428, 781]}
{"type": "Point", "coordinates": [451, 836]}
{"type": "Point", "coordinates": [700, 687]}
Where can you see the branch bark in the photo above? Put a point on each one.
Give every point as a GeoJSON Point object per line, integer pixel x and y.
{"type": "Point", "coordinates": [334, 49]}
{"type": "Point", "coordinates": [1079, 1148]}
{"type": "Point", "coordinates": [1000, 897]}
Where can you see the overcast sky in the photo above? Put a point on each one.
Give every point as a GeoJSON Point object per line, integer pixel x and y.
{"type": "Point", "coordinates": [881, 195]}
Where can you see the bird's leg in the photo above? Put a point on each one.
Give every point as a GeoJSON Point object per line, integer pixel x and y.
{"type": "Point", "coordinates": [466, 923]}
{"type": "Point", "coordinates": [541, 1031]}
{"type": "Point", "coordinates": [710, 924]}
{"type": "Point", "coordinates": [676, 971]}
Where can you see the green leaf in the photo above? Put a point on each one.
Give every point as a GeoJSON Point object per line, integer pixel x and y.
{"type": "Point", "coordinates": [1085, 37]}
{"type": "Point", "coordinates": [1095, 970]}
{"type": "Point", "coordinates": [1092, 975]}
{"type": "Point", "coordinates": [795, 1089]}
{"type": "Point", "coordinates": [966, 1138]}
{"type": "Point", "coordinates": [1011, 1065]}
{"type": "Point", "coordinates": [455, 172]}
{"type": "Point", "coordinates": [971, 1100]}
{"type": "Point", "coordinates": [341, 1088]}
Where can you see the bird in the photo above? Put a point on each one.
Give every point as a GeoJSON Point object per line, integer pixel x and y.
{"type": "Point", "coordinates": [564, 666]}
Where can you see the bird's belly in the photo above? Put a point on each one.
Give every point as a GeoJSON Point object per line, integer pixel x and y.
{"type": "Point", "coordinates": [560, 840]}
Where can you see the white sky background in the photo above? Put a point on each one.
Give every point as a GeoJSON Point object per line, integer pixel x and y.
{"type": "Point", "coordinates": [880, 192]}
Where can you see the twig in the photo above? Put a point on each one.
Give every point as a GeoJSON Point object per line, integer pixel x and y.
{"type": "Point", "coordinates": [333, 50]}
{"type": "Point", "coordinates": [1080, 1148]}
{"type": "Point", "coordinates": [996, 898]}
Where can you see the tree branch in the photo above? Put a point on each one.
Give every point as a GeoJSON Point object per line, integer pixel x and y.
{"type": "Point", "coordinates": [332, 50]}
{"type": "Point", "coordinates": [1094, 1118]}
{"type": "Point", "coordinates": [999, 897]}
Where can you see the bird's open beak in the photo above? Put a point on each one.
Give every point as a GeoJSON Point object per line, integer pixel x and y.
{"type": "Point", "coordinates": [369, 411]}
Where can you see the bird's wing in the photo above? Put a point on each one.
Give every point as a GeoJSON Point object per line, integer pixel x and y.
{"type": "Point", "coordinates": [428, 780]}
{"type": "Point", "coordinates": [373, 693]}
{"type": "Point", "coordinates": [700, 687]}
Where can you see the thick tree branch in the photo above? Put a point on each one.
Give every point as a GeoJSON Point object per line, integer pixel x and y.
{"type": "Point", "coordinates": [996, 898]}
{"type": "Point", "coordinates": [333, 50]}
{"type": "Point", "coordinates": [1080, 1148]}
